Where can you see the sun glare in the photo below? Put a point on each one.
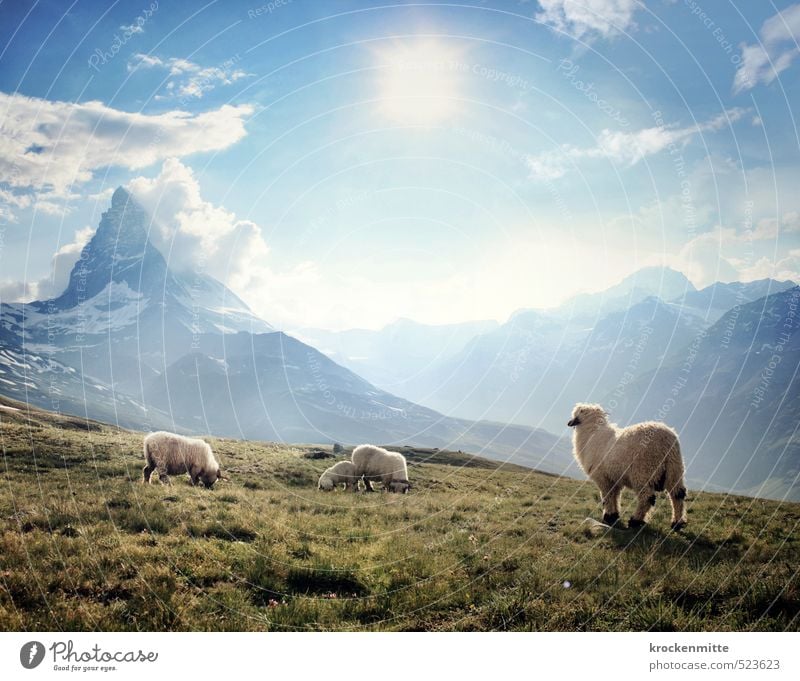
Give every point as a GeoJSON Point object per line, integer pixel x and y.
{"type": "Point", "coordinates": [417, 83]}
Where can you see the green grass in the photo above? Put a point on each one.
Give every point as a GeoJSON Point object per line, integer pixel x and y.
{"type": "Point", "coordinates": [475, 546]}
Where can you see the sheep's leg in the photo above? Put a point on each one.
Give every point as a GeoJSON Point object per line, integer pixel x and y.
{"type": "Point", "coordinates": [194, 475]}
{"type": "Point", "coordinates": [368, 486]}
{"type": "Point", "coordinates": [147, 471]}
{"type": "Point", "coordinates": [611, 505]}
{"type": "Point", "coordinates": [646, 501]}
{"type": "Point", "coordinates": [677, 498]}
{"type": "Point", "coordinates": [163, 478]}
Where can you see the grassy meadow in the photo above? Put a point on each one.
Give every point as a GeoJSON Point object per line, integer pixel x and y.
{"type": "Point", "coordinates": [474, 546]}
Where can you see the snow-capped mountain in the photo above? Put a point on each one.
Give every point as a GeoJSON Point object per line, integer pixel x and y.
{"type": "Point", "coordinates": [121, 275]}
{"type": "Point", "coordinates": [124, 311]}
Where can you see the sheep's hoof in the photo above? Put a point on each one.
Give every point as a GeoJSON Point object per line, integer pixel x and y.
{"type": "Point", "coordinates": [635, 524]}
{"type": "Point", "coordinates": [677, 527]}
{"type": "Point", "coordinates": [610, 518]}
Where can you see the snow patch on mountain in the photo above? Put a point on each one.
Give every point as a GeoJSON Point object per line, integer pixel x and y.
{"type": "Point", "coordinates": [114, 308]}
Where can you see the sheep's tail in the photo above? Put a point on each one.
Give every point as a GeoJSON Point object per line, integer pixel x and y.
{"type": "Point", "coordinates": [148, 455]}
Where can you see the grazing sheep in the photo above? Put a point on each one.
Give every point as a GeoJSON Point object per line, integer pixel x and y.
{"type": "Point", "coordinates": [379, 465]}
{"type": "Point", "coordinates": [172, 454]}
{"type": "Point", "coordinates": [342, 472]}
{"type": "Point", "coordinates": [645, 457]}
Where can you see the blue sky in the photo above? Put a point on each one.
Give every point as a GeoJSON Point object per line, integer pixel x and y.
{"type": "Point", "coordinates": [344, 164]}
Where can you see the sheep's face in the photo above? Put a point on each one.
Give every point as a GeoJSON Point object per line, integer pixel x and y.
{"type": "Point", "coordinates": [587, 413]}
{"type": "Point", "coordinates": [326, 484]}
{"type": "Point", "coordinates": [399, 486]}
{"type": "Point", "coordinates": [211, 477]}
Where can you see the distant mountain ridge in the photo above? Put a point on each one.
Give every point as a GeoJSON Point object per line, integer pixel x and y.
{"type": "Point", "coordinates": [399, 356]}
{"type": "Point", "coordinates": [659, 282]}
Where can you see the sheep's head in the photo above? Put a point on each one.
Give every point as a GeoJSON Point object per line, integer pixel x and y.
{"type": "Point", "coordinates": [399, 486]}
{"type": "Point", "coordinates": [587, 414]}
{"type": "Point", "coordinates": [210, 477]}
{"type": "Point", "coordinates": [325, 483]}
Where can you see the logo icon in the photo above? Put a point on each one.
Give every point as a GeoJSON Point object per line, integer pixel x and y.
{"type": "Point", "coordinates": [31, 654]}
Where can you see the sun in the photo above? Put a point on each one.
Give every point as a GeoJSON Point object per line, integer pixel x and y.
{"type": "Point", "coordinates": [418, 82]}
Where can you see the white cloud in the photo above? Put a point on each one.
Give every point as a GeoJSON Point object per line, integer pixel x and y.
{"type": "Point", "coordinates": [49, 145]}
{"type": "Point", "coordinates": [626, 148]}
{"type": "Point", "coordinates": [141, 60]}
{"type": "Point", "coordinates": [132, 28]}
{"type": "Point", "coordinates": [580, 18]}
{"type": "Point", "coordinates": [725, 254]}
{"type": "Point", "coordinates": [56, 281]}
{"type": "Point", "coordinates": [10, 200]}
{"type": "Point", "coordinates": [63, 262]}
{"type": "Point", "coordinates": [786, 268]}
{"type": "Point", "coordinates": [14, 198]}
{"type": "Point", "coordinates": [763, 61]}
{"type": "Point", "coordinates": [17, 292]}
{"type": "Point", "coordinates": [103, 196]}
{"type": "Point", "coordinates": [187, 79]}
{"type": "Point", "coordinates": [195, 234]}
{"type": "Point", "coordinates": [707, 258]}
{"type": "Point", "coordinates": [771, 228]}
{"type": "Point", "coordinates": [57, 208]}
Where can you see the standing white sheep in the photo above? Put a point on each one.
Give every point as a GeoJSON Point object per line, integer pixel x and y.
{"type": "Point", "coordinates": [341, 472]}
{"type": "Point", "coordinates": [172, 454]}
{"type": "Point", "coordinates": [645, 457]}
{"type": "Point", "coordinates": [380, 465]}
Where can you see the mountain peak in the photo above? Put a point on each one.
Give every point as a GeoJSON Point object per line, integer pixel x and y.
{"type": "Point", "coordinates": [119, 252]}
{"type": "Point", "coordinates": [123, 226]}
{"type": "Point", "coordinates": [656, 278]}
{"type": "Point", "coordinates": [120, 198]}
